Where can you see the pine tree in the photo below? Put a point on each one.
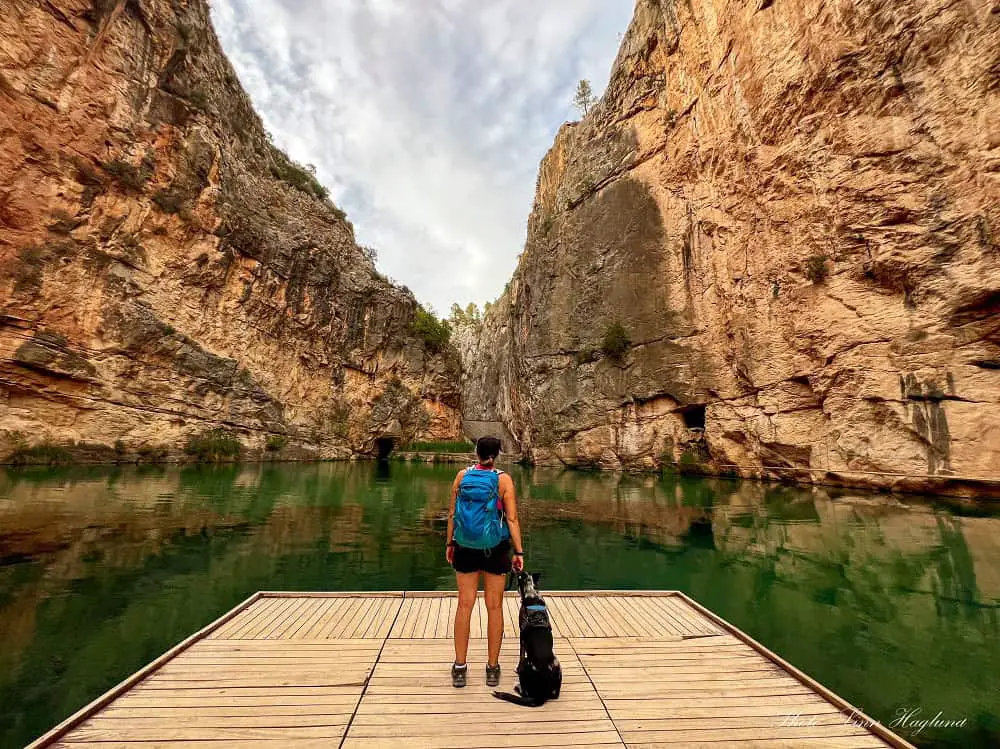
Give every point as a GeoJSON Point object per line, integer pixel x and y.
{"type": "Point", "coordinates": [584, 98]}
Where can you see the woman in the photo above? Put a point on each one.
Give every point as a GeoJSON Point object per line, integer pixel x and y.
{"type": "Point", "coordinates": [482, 527]}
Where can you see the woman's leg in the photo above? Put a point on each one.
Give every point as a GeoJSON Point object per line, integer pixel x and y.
{"type": "Point", "coordinates": [493, 593]}
{"type": "Point", "coordinates": [468, 585]}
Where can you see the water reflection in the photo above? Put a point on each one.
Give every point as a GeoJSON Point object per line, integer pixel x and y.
{"type": "Point", "coordinates": [891, 603]}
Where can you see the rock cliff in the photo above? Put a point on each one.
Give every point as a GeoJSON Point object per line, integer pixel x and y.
{"type": "Point", "coordinates": [165, 271]}
{"type": "Point", "coordinates": [772, 249]}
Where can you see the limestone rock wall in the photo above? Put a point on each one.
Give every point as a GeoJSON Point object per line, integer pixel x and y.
{"type": "Point", "coordinates": [164, 270]}
{"type": "Point", "coordinates": [792, 209]}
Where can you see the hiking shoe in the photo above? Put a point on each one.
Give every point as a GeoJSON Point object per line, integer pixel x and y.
{"type": "Point", "coordinates": [458, 674]}
{"type": "Point", "coordinates": [493, 675]}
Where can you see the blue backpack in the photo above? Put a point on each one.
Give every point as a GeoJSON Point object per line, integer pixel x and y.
{"type": "Point", "coordinates": [479, 519]}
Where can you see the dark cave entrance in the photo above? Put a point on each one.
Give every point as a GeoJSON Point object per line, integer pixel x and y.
{"type": "Point", "coordinates": [384, 447]}
{"type": "Point", "coordinates": [694, 416]}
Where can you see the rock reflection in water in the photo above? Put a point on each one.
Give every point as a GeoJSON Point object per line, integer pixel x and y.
{"type": "Point", "coordinates": [891, 602]}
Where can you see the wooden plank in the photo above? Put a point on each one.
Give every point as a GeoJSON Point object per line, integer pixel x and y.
{"type": "Point", "coordinates": [78, 717]}
{"type": "Point", "coordinates": [778, 722]}
{"type": "Point", "coordinates": [562, 623]}
{"type": "Point", "coordinates": [877, 729]}
{"type": "Point", "coordinates": [339, 594]}
{"type": "Point", "coordinates": [280, 667]}
{"type": "Point", "coordinates": [827, 742]}
{"type": "Point", "coordinates": [182, 712]}
{"type": "Point", "coordinates": [405, 618]}
{"type": "Point", "coordinates": [686, 613]}
{"type": "Point", "coordinates": [112, 724]}
{"type": "Point", "coordinates": [435, 726]}
{"type": "Point", "coordinates": [289, 619]}
{"type": "Point", "coordinates": [601, 614]}
{"type": "Point", "coordinates": [85, 734]}
{"type": "Point", "coordinates": [186, 744]}
{"type": "Point", "coordinates": [692, 691]}
{"type": "Point", "coordinates": [684, 736]}
{"type": "Point", "coordinates": [460, 716]}
{"type": "Point", "coordinates": [373, 621]}
{"type": "Point", "coordinates": [242, 619]}
{"type": "Point", "coordinates": [269, 699]}
{"type": "Point", "coordinates": [330, 612]}
{"type": "Point", "coordinates": [665, 643]}
{"type": "Point", "coordinates": [511, 611]}
{"type": "Point", "coordinates": [349, 619]}
{"type": "Point", "coordinates": [662, 623]}
{"type": "Point", "coordinates": [584, 619]}
{"type": "Point", "coordinates": [367, 611]}
{"type": "Point", "coordinates": [486, 703]}
{"type": "Point", "coordinates": [489, 741]}
{"type": "Point", "coordinates": [261, 624]}
{"type": "Point", "coordinates": [314, 608]}
{"type": "Point", "coordinates": [630, 622]}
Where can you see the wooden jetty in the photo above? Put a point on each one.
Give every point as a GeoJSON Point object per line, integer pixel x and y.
{"type": "Point", "coordinates": [641, 669]}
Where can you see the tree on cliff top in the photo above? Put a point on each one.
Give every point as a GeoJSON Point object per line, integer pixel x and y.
{"type": "Point", "coordinates": [435, 333]}
{"type": "Point", "coordinates": [584, 98]}
{"type": "Point", "coordinates": [467, 316]}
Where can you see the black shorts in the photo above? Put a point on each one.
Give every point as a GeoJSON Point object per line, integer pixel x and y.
{"type": "Point", "coordinates": [495, 561]}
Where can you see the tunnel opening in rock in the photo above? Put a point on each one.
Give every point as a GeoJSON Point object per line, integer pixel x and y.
{"type": "Point", "coordinates": [384, 447]}
{"type": "Point", "coordinates": [694, 416]}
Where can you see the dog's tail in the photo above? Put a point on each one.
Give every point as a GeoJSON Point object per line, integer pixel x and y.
{"type": "Point", "coordinates": [517, 699]}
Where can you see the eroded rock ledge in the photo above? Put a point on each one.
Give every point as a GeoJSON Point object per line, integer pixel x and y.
{"type": "Point", "coordinates": [165, 271]}
{"type": "Point", "coordinates": [792, 210]}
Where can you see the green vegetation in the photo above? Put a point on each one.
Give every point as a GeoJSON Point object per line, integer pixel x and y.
{"type": "Point", "coordinates": [435, 333]}
{"type": "Point", "coordinates": [469, 315]}
{"type": "Point", "coordinates": [168, 201]}
{"type": "Point", "coordinates": [440, 447]}
{"type": "Point", "coordinates": [816, 270]}
{"type": "Point", "coordinates": [276, 443]}
{"type": "Point", "coordinates": [153, 453]}
{"type": "Point", "coordinates": [616, 342]}
{"type": "Point", "coordinates": [132, 178]}
{"type": "Point", "coordinates": [63, 222]}
{"type": "Point", "coordinates": [214, 445]}
{"type": "Point", "coordinates": [44, 453]}
{"type": "Point", "coordinates": [584, 98]}
{"type": "Point", "coordinates": [302, 178]}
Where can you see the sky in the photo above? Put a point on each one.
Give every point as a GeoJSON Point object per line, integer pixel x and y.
{"type": "Point", "coordinates": [426, 119]}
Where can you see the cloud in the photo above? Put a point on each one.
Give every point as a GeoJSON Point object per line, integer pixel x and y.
{"type": "Point", "coordinates": [426, 119]}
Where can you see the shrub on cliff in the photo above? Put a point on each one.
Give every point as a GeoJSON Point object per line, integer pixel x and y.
{"type": "Point", "coordinates": [616, 342]}
{"type": "Point", "coordinates": [276, 443]}
{"type": "Point", "coordinates": [435, 333]}
{"type": "Point", "coordinates": [299, 177]}
{"type": "Point", "coordinates": [131, 178]}
{"type": "Point", "coordinates": [44, 453]}
{"type": "Point", "coordinates": [816, 270]}
{"type": "Point", "coordinates": [214, 445]}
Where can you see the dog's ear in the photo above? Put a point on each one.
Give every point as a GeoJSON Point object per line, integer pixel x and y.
{"type": "Point", "coordinates": [535, 577]}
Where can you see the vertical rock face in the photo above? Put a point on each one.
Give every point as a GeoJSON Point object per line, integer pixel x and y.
{"type": "Point", "coordinates": [792, 210]}
{"type": "Point", "coordinates": [164, 270]}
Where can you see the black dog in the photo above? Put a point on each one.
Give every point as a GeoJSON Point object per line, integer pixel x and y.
{"type": "Point", "coordinates": [538, 671]}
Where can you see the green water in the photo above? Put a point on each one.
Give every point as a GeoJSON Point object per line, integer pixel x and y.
{"type": "Point", "coordinates": [891, 604]}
